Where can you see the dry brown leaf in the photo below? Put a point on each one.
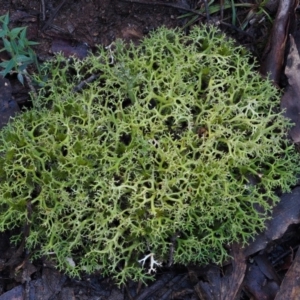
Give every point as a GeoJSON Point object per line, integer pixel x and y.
{"type": "Point", "coordinates": [17, 293]}
{"type": "Point", "coordinates": [69, 48]}
{"type": "Point", "coordinates": [258, 286]}
{"type": "Point", "coordinates": [227, 287]}
{"type": "Point", "coordinates": [290, 287]}
{"type": "Point", "coordinates": [273, 57]}
{"type": "Point", "coordinates": [290, 101]}
{"type": "Point", "coordinates": [285, 213]}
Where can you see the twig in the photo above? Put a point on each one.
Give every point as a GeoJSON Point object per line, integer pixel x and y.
{"type": "Point", "coordinates": [81, 85]}
{"type": "Point", "coordinates": [245, 33]}
{"type": "Point", "coordinates": [284, 254]}
{"type": "Point", "coordinates": [43, 9]}
{"type": "Point", "coordinates": [172, 248]}
{"type": "Point", "coordinates": [29, 82]}
{"type": "Point", "coordinates": [206, 10]}
{"type": "Point", "coordinates": [162, 282]}
{"type": "Point", "coordinates": [58, 7]}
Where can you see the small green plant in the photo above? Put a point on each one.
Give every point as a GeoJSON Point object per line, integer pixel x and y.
{"type": "Point", "coordinates": [256, 12]}
{"type": "Point", "coordinates": [18, 47]}
{"type": "Point", "coordinates": [174, 152]}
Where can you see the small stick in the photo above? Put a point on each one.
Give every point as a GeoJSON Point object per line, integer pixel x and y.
{"type": "Point", "coordinates": [43, 9]}
{"type": "Point", "coordinates": [206, 10]}
{"type": "Point", "coordinates": [81, 85]}
{"type": "Point", "coordinates": [53, 15]}
{"type": "Point", "coordinates": [172, 248]}
{"type": "Point", "coordinates": [29, 82]}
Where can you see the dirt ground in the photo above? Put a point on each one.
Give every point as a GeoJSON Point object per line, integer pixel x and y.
{"type": "Point", "coordinates": [87, 22]}
{"type": "Point", "coordinates": [76, 27]}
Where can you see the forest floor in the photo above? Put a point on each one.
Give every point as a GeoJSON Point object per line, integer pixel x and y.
{"type": "Point", "coordinates": [268, 268]}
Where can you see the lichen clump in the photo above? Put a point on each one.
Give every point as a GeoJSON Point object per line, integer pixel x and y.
{"type": "Point", "coordinates": [175, 150]}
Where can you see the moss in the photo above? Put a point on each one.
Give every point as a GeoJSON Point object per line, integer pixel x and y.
{"type": "Point", "coordinates": [180, 139]}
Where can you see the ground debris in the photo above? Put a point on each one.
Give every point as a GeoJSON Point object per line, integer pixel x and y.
{"type": "Point", "coordinates": [290, 100]}
{"type": "Point", "coordinates": [8, 106]}
{"type": "Point", "coordinates": [290, 288]}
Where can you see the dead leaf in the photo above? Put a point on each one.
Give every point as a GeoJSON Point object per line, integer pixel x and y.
{"type": "Point", "coordinates": [14, 294]}
{"type": "Point", "coordinates": [273, 58]}
{"type": "Point", "coordinates": [285, 213]}
{"type": "Point", "coordinates": [290, 287]}
{"type": "Point", "coordinates": [48, 286]}
{"type": "Point", "coordinates": [70, 48]}
{"type": "Point", "coordinates": [257, 284]}
{"type": "Point", "coordinates": [227, 287]}
{"type": "Point", "coordinates": [290, 101]}
{"type": "Point", "coordinates": [266, 267]}
{"type": "Point", "coordinates": [66, 293]}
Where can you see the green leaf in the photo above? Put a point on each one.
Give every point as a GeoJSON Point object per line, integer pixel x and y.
{"type": "Point", "coordinates": [14, 47]}
{"type": "Point", "coordinates": [10, 65]}
{"type": "Point", "coordinates": [2, 33]}
{"type": "Point", "coordinates": [2, 19]}
{"type": "Point", "coordinates": [21, 43]}
{"type": "Point", "coordinates": [20, 78]}
{"type": "Point", "coordinates": [23, 67]}
{"type": "Point", "coordinates": [233, 10]}
{"type": "Point", "coordinates": [23, 58]}
{"type": "Point", "coordinates": [6, 19]}
{"type": "Point", "coordinates": [32, 55]}
{"type": "Point", "coordinates": [7, 45]}
{"type": "Point", "coordinates": [15, 32]}
{"type": "Point", "coordinates": [4, 64]}
{"type": "Point", "coordinates": [23, 34]}
{"type": "Point", "coordinates": [32, 43]}
{"type": "Point", "coordinates": [5, 28]}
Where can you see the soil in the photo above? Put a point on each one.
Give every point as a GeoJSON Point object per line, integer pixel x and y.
{"type": "Point", "coordinates": [75, 27]}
